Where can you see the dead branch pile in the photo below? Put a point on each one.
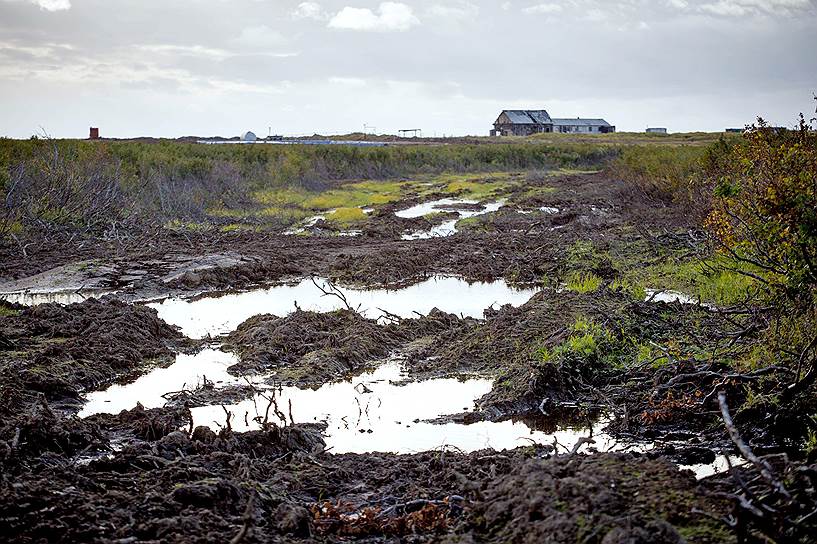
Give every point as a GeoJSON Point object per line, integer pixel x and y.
{"type": "Point", "coordinates": [775, 500]}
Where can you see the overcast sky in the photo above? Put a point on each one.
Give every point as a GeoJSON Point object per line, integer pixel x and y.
{"type": "Point", "coordinates": [207, 67]}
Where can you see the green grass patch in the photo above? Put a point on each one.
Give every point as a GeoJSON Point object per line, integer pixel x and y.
{"type": "Point", "coordinates": [635, 291]}
{"type": "Point", "coordinates": [287, 215]}
{"type": "Point", "coordinates": [583, 282]}
{"type": "Point", "coordinates": [192, 226]}
{"type": "Point", "coordinates": [235, 227]}
{"type": "Point", "coordinates": [347, 216]}
{"type": "Point", "coordinates": [355, 195]}
{"type": "Point", "coordinates": [713, 280]}
{"type": "Point", "coordinates": [285, 196]}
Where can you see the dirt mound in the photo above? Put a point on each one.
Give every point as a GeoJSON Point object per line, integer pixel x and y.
{"type": "Point", "coordinates": [311, 348]}
{"type": "Point", "coordinates": [43, 436]}
{"type": "Point", "coordinates": [59, 351]}
{"type": "Point", "coordinates": [277, 485]}
{"type": "Point", "coordinates": [603, 498]}
{"type": "Point", "coordinates": [180, 488]}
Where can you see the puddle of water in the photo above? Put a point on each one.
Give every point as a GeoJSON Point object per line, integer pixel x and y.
{"type": "Point", "coordinates": [185, 373]}
{"type": "Point", "coordinates": [448, 228]}
{"type": "Point", "coordinates": [442, 205]}
{"type": "Point", "coordinates": [364, 415]}
{"type": "Point", "coordinates": [44, 296]}
{"type": "Point", "coordinates": [371, 414]}
{"type": "Point", "coordinates": [718, 466]}
{"type": "Point", "coordinates": [217, 315]}
{"type": "Point", "coordinates": [308, 223]}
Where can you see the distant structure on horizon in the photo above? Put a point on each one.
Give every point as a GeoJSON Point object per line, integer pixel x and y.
{"type": "Point", "coordinates": [249, 136]}
{"type": "Point", "coordinates": [527, 122]}
{"type": "Point", "coordinates": [657, 130]}
{"type": "Point", "coordinates": [93, 133]}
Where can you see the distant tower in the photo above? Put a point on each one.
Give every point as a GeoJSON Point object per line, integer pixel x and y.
{"type": "Point", "coordinates": [94, 134]}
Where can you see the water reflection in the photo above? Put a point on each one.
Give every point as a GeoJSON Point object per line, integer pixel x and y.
{"type": "Point", "coordinates": [222, 314]}
{"type": "Point", "coordinates": [35, 297]}
{"type": "Point", "coordinates": [452, 205]}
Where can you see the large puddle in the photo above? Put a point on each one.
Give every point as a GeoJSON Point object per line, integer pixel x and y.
{"type": "Point", "coordinates": [374, 412]}
{"type": "Point", "coordinates": [187, 372]}
{"type": "Point", "coordinates": [447, 228]}
{"type": "Point", "coordinates": [217, 315]}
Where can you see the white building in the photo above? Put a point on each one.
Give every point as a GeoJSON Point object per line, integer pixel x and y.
{"type": "Point", "coordinates": [588, 126]}
{"type": "Point", "coordinates": [249, 136]}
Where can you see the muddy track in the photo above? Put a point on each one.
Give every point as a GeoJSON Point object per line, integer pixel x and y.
{"type": "Point", "coordinates": [518, 247]}
{"type": "Point", "coordinates": [276, 486]}
{"type": "Point", "coordinates": [563, 358]}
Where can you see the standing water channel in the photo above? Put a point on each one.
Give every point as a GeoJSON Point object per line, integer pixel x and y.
{"type": "Point", "coordinates": [381, 410]}
{"type": "Point", "coordinates": [378, 411]}
{"type": "Point", "coordinates": [451, 205]}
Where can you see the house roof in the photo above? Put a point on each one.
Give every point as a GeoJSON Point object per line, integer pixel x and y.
{"type": "Point", "coordinates": [582, 122]}
{"type": "Point", "coordinates": [528, 117]}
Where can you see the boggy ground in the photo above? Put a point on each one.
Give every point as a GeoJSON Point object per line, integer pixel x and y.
{"type": "Point", "coordinates": [277, 485]}
{"type": "Point", "coordinates": [59, 351]}
{"type": "Point", "coordinates": [519, 247]}
{"type": "Point", "coordinates": [587, 342]}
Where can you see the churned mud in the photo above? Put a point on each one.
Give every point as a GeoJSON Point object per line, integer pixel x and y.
{"type": "Point", "coordinates": [276, 485]}
{"type": "Point", "coordinates": [59, 351]}
{"type": "Point", "coordinates": [451, 370]}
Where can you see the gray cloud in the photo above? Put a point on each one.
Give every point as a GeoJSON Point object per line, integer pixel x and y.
{"type": "Point", "coordinates": [178, 67]}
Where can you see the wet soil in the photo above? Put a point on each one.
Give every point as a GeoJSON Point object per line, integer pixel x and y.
{"type": "Point", "coordinates": [308, 348]}
{"type": "Point", "coordinates": [278, 485]}
{"type": "Point", "coordinates": [59, 351]}
{"type": "Point", "coordinates": [517, 247]}
{"type": "Point", "coordinates": [145, 475]}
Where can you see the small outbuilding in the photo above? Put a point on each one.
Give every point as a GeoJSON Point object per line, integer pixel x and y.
{"type": "Point", "coordinates": [249, 136]}
{"type": "Point", "coordinates": [657, 130]}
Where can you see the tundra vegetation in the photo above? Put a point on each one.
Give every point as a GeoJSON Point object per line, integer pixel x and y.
{"type": "Point", "coordinates": [606, 226]}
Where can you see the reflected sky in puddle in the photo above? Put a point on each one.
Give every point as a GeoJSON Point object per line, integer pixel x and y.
{"type": "Point", "coordinates": [217, 315]}
{"type": "Point", "coordinates": [655, 295]}
{"type": "Point", "coordinates": [33, 298]}
{"type": "Point", "coordinates": [369, 413]}
{"type": "Point", "coordinates": [668, 296]}
{"type": "Point", "coordinates": [185, 373]}
{"type": "Point", "coordinates": [372, 414]}
{"type": "Point", "coordinates": [448, 228]}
